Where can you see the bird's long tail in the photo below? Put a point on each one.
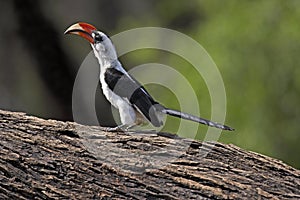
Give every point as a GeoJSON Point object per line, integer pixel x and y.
{"type": "Point", "coordinates": [200, 120]}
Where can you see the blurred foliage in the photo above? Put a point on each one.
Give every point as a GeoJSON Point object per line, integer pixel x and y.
{"type": "Point", "coordinates": [255, 44]}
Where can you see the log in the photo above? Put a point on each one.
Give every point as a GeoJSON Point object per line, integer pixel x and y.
{"type": "Point", "coordinates": [49, 159]}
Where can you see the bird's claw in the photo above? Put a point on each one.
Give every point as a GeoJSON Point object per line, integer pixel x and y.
{"type": "Point", "coordinates": [113, 129]}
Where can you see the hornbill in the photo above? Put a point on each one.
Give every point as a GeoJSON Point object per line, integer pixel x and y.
{"type": "Point", "coordinates": [134, 103]}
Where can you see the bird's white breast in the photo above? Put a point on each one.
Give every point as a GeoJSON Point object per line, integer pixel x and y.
{"type": "Point", "coordinates": [126, 111]}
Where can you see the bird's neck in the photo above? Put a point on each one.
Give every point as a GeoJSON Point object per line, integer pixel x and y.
{"type": "Point", "coordinates": [106, 57]}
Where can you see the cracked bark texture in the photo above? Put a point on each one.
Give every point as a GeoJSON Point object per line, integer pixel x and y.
{"type": "Point", "coordinates": [48, 159]}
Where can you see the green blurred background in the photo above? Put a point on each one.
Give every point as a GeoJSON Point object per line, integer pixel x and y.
{"type": "Point", "coordinates": [255, 44]}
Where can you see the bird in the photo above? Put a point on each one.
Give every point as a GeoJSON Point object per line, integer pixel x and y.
{"type": "Point", "coordinates": [135, 105]}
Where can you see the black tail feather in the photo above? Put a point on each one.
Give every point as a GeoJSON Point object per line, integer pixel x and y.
{"type": "Point", "coordinates": [200, 120]}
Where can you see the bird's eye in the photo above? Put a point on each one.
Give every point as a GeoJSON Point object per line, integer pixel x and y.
{"type": "Point", "coordinates": [98, 37]}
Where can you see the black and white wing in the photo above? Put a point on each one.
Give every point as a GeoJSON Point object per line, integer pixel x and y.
{"type": "Point", "coordinates": [130, 89]}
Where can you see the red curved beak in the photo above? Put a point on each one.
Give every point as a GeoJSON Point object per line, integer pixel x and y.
{"type": "Point", "coordinates": [82, 29]}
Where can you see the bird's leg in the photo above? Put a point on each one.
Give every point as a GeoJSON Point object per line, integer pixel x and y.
{"type": "Point", "coordinates": [129, 127]}
{"type": "Point", "coordinates": [120, 128]}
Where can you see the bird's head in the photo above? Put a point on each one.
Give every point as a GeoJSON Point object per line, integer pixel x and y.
{"type": "Point", "coordinates": [101, 44]}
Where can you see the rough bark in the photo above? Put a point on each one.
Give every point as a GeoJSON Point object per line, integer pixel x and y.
{"type": "Point", "coordinates": [48, 159]}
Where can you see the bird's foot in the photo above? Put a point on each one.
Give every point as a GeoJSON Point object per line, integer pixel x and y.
{"type": "Point", "coordinates": [120, 128]}
{"type": "Point", "coordinates": [114, 129]}
{"type": "Point", "coordinates": [127, 128]}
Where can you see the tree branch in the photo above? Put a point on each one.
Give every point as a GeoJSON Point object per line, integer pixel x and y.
{"type": "Point", "coordinates": [49, 159]}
